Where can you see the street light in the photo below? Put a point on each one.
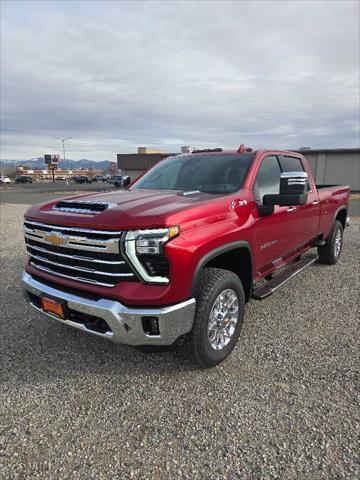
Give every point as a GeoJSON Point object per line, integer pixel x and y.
{"type": "Point", "coordinates": [63, 140]}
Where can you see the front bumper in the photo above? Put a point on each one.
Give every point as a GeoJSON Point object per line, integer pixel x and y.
{"type": "Point", "coordinates": [111, 320]}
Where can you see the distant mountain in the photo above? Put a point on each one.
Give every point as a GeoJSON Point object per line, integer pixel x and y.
{"type": "Point", "coordinates": [39, 163]}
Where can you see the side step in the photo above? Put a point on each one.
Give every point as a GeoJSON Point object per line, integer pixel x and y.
{"type": "Point", "coordinates": [269, 288]}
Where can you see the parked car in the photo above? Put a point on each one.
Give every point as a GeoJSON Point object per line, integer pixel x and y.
{"type": "Point", "coordinates": [121, 181]}
{"type": "Point", "coordinates": [126, 180]}
{"type": "Point", "coordinates": [4, 179]}
{"type": "Point", "coordinates": [99, 178]}
{"type": "Point", "coordinates": [176, 257]}
{"type": "Point", "coordinates": [23, 179]}
{"type": "Point", "coordinates": [114, 178]}
{"type": "Point", "coordinates": [82, 179]}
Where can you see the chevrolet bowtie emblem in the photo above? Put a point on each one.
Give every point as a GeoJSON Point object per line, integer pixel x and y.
{"type": "Point", "coordinates": [55, 238]}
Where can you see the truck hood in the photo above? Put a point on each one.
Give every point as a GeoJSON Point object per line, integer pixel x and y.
{"type": "Point", "coordinates": [129, 209]}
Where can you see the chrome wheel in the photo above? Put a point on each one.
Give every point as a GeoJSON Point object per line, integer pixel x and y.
{"type": "Point", "coordinates": [223, 319]}
{"type": "Point", "coordinates": [337, 243]}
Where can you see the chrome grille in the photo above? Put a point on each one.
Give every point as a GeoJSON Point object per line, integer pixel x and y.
{"type": "Point", "coordinates": [85, 255]}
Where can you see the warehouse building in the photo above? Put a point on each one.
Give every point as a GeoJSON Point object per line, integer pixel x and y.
{"type": "Point", "coordinates": [133, 164]}
{"type": "Point", "coordinates": [329, 166]}
{"type": "Point", "coordinates": [334, 165]}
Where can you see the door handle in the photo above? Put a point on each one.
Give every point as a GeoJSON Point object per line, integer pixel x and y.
{"type": "Point", "coordinates": [315, 202]}
{"type": "Point", "coordinates": [291, 209]}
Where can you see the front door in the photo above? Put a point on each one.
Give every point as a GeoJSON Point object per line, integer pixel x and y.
{"type": "Point", "coordinates": [275, 234]}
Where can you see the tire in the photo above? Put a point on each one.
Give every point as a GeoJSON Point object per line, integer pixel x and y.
{"type": "Point", "coordinates": [329, 253]}
{"type": "Point", "coordinates": [212, 283]}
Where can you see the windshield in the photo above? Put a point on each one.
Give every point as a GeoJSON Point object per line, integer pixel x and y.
{"type": "Point", "coordinates": [203, 173]}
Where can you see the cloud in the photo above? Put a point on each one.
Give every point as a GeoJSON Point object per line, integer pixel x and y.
{"type": "Point", "coordinates": [115, 75]}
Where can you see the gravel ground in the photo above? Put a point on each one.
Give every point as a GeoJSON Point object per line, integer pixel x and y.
{"type": "Point", "coordinates": [284, 405]}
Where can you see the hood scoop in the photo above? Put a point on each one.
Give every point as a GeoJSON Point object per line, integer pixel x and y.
{"type": "Point", "coordinates": [84, 207]}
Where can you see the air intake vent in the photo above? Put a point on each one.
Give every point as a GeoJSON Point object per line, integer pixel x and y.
{"type": "Point", "coordinates": [89, 208]}
{"type": "Point", "coordinates": [155, 265]}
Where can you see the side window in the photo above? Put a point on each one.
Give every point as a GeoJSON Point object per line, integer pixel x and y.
{"type": "Point", "coordinates": [268, 178]}
{"type": "Point", "coordinates": [292, 164]}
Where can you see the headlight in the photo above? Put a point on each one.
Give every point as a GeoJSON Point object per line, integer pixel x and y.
{"type": "Point", "coordinates": [147, 242]}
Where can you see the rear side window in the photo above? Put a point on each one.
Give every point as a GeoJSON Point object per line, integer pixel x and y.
{"type": "Point", "coordinates": [291, 164]}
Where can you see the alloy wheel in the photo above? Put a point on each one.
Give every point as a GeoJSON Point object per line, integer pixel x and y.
{"type": "Point", "coordinates": [223, 319]}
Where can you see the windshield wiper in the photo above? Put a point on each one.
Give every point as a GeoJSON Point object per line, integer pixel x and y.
{"type": "Point", "coordinates": [215, 192]}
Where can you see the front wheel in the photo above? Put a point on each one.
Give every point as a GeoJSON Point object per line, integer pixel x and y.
{"type": "Point", "coordinates": [219, 316]}
{"type": "Point", "coordinates": [329, 253]}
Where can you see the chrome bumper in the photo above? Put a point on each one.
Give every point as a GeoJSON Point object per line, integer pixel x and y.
{"type": "Point", "coordinates": [125, 324]}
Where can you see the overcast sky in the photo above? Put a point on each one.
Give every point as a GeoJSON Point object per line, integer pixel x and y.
{"type": "Point", "coordinates": [116, 75]}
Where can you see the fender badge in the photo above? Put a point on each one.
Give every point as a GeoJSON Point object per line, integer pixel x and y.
{"type": "Point", "coordinates": [238, 203]}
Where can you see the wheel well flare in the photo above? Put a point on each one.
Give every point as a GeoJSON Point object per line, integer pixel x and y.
{"type": "Point", "coordinates": [238, 261]}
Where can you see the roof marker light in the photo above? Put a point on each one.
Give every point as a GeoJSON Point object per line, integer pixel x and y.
{"type": "Point", "coordinates": [243, 149]}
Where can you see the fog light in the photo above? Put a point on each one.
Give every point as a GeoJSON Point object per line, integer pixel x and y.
{"type": "Point", "coordinates": [151, 325]}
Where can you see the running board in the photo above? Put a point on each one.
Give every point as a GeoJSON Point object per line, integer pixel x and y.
{"type": "Point", "coordinates": [269, 287]}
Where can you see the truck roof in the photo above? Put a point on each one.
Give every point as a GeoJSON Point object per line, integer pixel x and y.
{"type": "Point", "coordinates": [241, 151]}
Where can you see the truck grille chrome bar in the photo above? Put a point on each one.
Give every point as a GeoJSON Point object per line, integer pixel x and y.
{"type": "Point", "coordinates": [72, 277]}
{"type": "Point", "coordinates": [75, 239]}
{"type": "Point", "coordinates": [80, 269]}
{"type": "Point", "coordinates": [77, 257]}
{"type": "Point", "coordinates": [47, 226]}
{"type": "Point", "coordinates": [84, 255]}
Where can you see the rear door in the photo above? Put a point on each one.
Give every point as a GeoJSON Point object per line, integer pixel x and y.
{"type": "Point", "coordinates": [275, 234]}
{"type": "Point", "coordinates": [307, 216]}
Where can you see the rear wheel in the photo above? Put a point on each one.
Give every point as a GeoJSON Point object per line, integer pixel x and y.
{"type": "Point", "coordinates": [219, 315]}
{"type": "Point", "coordinates": [329, 253]}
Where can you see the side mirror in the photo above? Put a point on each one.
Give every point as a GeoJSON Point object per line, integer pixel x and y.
{"type": "Point", "coordinates": [293, 190]}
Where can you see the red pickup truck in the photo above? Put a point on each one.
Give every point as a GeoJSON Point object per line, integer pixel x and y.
{"type": "Point", "coordinates": [176, 255]}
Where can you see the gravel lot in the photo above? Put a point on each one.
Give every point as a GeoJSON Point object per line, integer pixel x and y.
{"type": "Point", "coordinates": [284, 405]}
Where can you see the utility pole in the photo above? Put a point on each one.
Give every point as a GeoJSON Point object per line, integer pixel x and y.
{"type": "Point", "coordinates": [63, 140]}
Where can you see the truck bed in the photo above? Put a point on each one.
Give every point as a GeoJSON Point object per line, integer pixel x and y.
{"type": "Point", "coordinates": [318, 187]}
{"type": "Point", "coordinates": [332, 198]}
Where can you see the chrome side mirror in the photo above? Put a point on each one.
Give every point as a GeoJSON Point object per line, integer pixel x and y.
{"type": "Point", "coordinates": [293, 182]}
{"type": "Point", "coordinates": [293, 190]}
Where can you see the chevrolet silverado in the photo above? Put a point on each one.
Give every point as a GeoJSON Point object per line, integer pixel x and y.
{"type": "Point", "coordinates": [175, 257]}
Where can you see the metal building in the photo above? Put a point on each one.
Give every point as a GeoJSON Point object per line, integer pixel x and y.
{"type": "Point", "coordinates": [134, 164]}
{"type": "Point", "coordinates": [335, 165]}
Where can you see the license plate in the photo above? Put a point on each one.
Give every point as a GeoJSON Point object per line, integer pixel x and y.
{"type": "Point", "coordinates": [51, 306]}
